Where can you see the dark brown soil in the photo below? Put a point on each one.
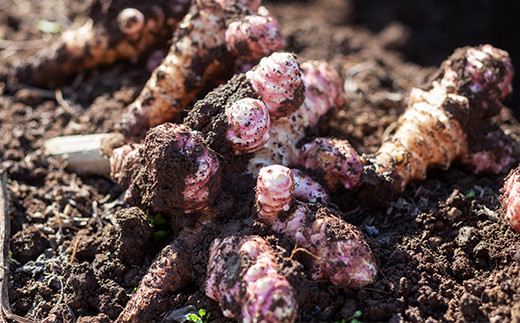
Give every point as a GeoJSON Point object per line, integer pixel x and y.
{"type": "Point", "coordinates": [445, 253]}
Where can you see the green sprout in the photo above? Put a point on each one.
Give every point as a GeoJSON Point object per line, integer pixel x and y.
{"type": "Point", "coordinates": [356, 316]}
{"type": "Point", "coordinates": [470, 194]}
{"type": "Point", "coordinates": [158, 220]}
{"type": "Point", "coordinates": [202, 316]}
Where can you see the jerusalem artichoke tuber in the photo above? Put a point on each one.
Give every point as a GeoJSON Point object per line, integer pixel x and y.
{"type": "Point", "coordinates": [178, 169]}
{"type": "Point", "coordinates": [450, 121]}
{"type": "Point", "coordinates": [113, 31]}
{"type": "Point", "coordinates": [171, 270]}
{"type": "Point", "coordinates": [243, 277]}
{"type": "Point", "coordinates": [338, 251]}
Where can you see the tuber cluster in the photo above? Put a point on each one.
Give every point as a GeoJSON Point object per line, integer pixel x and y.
{"type": "Point", "coordinates": [339, 253]}
{"type": "Point", "coordinates": [199, 53]}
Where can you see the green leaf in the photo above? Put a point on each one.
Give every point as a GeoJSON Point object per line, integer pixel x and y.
{"type": "Point", "coordinates": [202, 312]}
{"type": "Point", "coordinates": [193, 318]}
{"type": "Point", "coordinates": [471, 194]}
{"type": "Point", "coordinates": [48, 26]}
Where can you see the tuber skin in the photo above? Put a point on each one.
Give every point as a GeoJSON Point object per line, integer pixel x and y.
{"type": "Point", "coordinates": [114, 31]}
{"type": "Point", "coordinates": [198, 54]}
{"type": "Point", "coordinates": [255, 36]}
{"type": "Point", "coordinates": [307, 189]}
{"type": "Point", "coordinates": [171, 270]}
{"type": "Point", "coordinates": [242, 276]}
{"type": "Point", "coordinates": [248, 125]}
{"type": "Point", "coordinates": [339, 253]}
{"type": "Point", "coordinates": [450, 121]}
{"type": "Point", "coordinates": [510, 198]}
{"type": "Point", "coordinates": [339, 162]}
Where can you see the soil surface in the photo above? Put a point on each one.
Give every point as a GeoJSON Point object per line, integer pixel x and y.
{"type": "Point", "coordinates": [445, 252]}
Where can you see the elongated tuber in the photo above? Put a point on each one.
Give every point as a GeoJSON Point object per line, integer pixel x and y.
{"type": "Point", "coordinates": [171, 270]}
{"type": "Point", "coordinates": [242, 276]}
{"type": "Point", "coordinates": [113, 31]}
{"type": "Point", "coordinates": [339, 253]}
{"type": "Point", "coordinates": [450, 121]}
{"type": "Point", "coordinates": [510, 199]}
{"type": "Point", "coordinates": [198, 54]}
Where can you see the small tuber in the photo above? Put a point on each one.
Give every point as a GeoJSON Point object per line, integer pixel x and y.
{"type": "Point", "coordinates": [112, 32]}
{"type": "Point", "coordinates": [243, 277]}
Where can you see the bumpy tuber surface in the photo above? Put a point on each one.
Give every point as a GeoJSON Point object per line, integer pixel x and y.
{"type": "Point", "coordinates": [337, 159]}
{"type": "Point", "coordinates": [242, 276]}
{"type": "Point", "coordinates": [177, 155]}
{"type": "Point", "coordinates": [510, 199]}
{"type": "Point", "coordinates": [450, 121]}
{"type": "Point", "coordinates": [338, 251]}
{"type": "Point", "coordinates": [198, 54]}
{"type": "Point", "coordinates": [115, 30]}
{"type": "Point", "coordinates": [248, 125]}
{"type": "Point", "coordinates": [278, 82]}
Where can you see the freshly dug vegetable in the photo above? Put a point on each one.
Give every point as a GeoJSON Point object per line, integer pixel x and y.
{"type": "Point", "coordinates": [198, 54]}
{"type": "Point", "coordinates": [171, 270]}
{"type": "Point", "coordinates": [113, 31]}
{"type": "Point", "coordinates": [242, 276]}
{"type": "Point", "coordinates": [248, 125]}
{"type": "Point", "coordinates": [173, 169]}
{"type": "Point", "coordinates": [510, 199]}
{"type": "Point", "coordinates": [451, 120]}
{"type": "Point", "coordinates": [337, 251]}
{"type": "Point", "coordinates": [337, 159]}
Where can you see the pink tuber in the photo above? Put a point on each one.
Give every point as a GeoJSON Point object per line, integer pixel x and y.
{"type": "Point", "coordinates": [510, 199]}
{"type": "Point", "coordinates": [242, 276]}
{"type": "Point", "coordinates": [278, 82]}
{"type": "Point", "coordinates": [338, 252]}
{"type": "Point", "coordinates": [248, 125]}
{"type": "Point", "coordinates": [168, 148]}
{"type": "Point", "coordinates": [340, 163]}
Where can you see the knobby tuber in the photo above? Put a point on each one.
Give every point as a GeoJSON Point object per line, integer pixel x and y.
{"type": "Point", "coordinates": [338, 251]}
{"type": "Point", "coordinates": [450, 120]}
{"type": "Point", "coordinates": [171, 270]}
{"type": "Point", "coordinates": [115, 30]}
{"type": "Point", "coordinates": [510, 199]}
{"type": "Point", "coordinates": [175, 165]}
{"type": "Point", "coordinates": [243, 277]}
{"type": "Point", "coordinates": [248, 125]}
{"type": "Point", "coordinates": [199, 53]}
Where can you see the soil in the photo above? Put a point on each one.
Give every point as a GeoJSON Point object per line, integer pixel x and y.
{"type": "Point", "coordinates": [445, 252]}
